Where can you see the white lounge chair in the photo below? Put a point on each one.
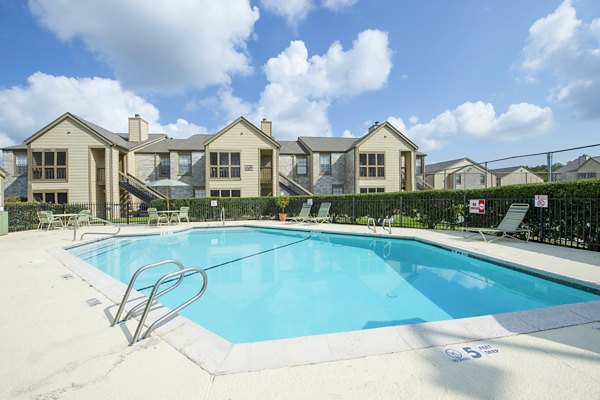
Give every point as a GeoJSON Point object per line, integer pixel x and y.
{"type": "Point", "coordinates": [508, 227]}
{"type": "Point", "coordinates": [322, 215]}
{"type": "Point", "coordinates": [303, 215]}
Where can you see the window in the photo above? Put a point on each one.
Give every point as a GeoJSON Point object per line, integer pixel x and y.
{"type": "Point", "coordinates": [224, 165]}
{"type": "Point", "coordinates": [337, 189]}
{"type": "Point", "coordinates": [325, 162]}
{"type": "Point", "coordinates": [51, 197]}
{"type": "Point", "coordinates": [371, 165]}
{"type": "Point", "coordinates": [372, 190]}
{"type": "Point", "coordinates": [50, 165]}
{"type": "Point", "coordinates": [20, 163]}
{"type": "Point", "coordinates": [419, 165]}
{"type": "Point", "coordinates": [185, 164]}
{"type": "Point", "coordinates": [199, 191]}
{"type": "Point", "coordinates": [226, 193]}
{"type": "Point", "coordinates": [164, 167]}
{"type": "Point", "coordinates": [301, 165]}
{"type": "Point", "coordinates": [457, 179]}
{"type": "Point", "coordinates": [482, 179]}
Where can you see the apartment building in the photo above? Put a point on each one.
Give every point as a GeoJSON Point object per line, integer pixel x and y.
{"type": "Point", "coordinates": [518, 175]}
{"type": "Point", "coordinates": [74, 160]}
{"type": "Point", "coordinates": [583, 167]}
{"type": "Point", "coordinates": [462, 173]}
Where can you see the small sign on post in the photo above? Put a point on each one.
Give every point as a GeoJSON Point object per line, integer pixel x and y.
{"type": "Point", "coordinates": [477, 206]}
{"type": "Point", "coordinates": [213, 203]}
{"type": "Point", "coordinates": [309, 202]}
{"type": "Point", "coordinates": [541, 200]}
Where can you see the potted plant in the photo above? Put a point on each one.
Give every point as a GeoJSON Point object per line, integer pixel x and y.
{"type": "Point", "coordinates": [281, 202]}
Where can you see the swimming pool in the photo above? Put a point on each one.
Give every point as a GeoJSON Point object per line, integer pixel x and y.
{"type": "Point", "coordinates": [271, 284]}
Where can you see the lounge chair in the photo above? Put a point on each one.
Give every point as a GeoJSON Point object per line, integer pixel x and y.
{"type": "Point", "coordinates": [508, 227]}
{"type": "Point", "coordinates": [47, 218]}
{"type": "Point", "coordinates": [153, 215]}
{"type": "Point", "coordinates": [303, 215]}
{"type": "Point", "coordinates": [322, 215]}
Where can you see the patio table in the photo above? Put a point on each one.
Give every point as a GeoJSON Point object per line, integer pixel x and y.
{"type": "Point", "coordinates": [65, 217]}
{"type": "Point", "coordinates": [169, 214]}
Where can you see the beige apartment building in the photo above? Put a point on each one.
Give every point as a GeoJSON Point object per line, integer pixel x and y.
{"type": "Point", "coordinates": [72, 160]}
{"type": "Point", "coordinates": [462, 173]}
{"type": "Point", "coordinates": [518, 175]}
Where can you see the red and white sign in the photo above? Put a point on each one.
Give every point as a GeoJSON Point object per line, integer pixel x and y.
{"type": "Point", "coordinates": [477, 206]}
{"type": "Point", "coordinates": [541, 200]}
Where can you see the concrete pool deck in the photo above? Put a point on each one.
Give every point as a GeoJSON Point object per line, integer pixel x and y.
{"type": "Point", "coordinates": [55, 345]}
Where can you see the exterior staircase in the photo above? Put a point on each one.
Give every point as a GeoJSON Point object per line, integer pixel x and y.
{"type": "Point", "coordinates": [422, 185]}
{"type": "Point", "coordinates": [292, 187]}
{"type": "Point", "coordinates": [138, 188]}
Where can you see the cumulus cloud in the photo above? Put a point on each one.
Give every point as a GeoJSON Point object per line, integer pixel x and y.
{"type": "Point", "coordinates": [479, 120]}
{"type": "Point", "coordinates": [338, 4]}
{"type": "Point", "coordinates": [26, 109]}
{"type": "Point", "coordinates": [296, 11]}
{"type": "Point", "coordinates": [156, 45]}
{"type": "Point", "coordinates": [302, 87]}
{"type": "Point", "coordinates": [568, 51]}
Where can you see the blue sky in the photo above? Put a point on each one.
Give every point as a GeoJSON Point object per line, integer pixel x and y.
{"type": "Point", "coordinates": [477, 78]}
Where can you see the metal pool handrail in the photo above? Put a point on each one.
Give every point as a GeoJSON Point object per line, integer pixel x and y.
{"type": "Point", "coordinates": [116, 320]}
{"type": "Point", "coordinates": [374, 229]}
{"type": "Point", "coordinates": [389, 221]}
{"type": "Point", "coordinates": [153, 295]}
{"type": "Point", "coordinates": [222, 216]}
{"type": "Point", "coordinates": [97, 233]}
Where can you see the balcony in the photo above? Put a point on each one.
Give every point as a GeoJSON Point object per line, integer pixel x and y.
{"type": "Point", "coordinates": [100, 176]}
{"type": "Point", "coordinates": [266, 173]}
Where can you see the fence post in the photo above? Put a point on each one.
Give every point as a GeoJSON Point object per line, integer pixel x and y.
{"type": "Point", "coordinates": [353, 210]}
{"type": "Point", "coordinates": [549, 166]}
{"type": "Point", "coordinates": [128, 210]}
{"type": "Point", "coordinates": [486, 175]}
{"type": "Point", "coordinates": [401, 212]}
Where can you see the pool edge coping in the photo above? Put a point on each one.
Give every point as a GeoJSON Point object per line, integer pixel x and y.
{"type": "Point", "coordinates": [218, 356]}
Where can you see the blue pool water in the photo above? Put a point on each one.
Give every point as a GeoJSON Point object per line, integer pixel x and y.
{"type": "Point", "coordinates": [270, 284]}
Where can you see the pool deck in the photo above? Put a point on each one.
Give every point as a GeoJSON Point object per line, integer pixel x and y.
{"type": "Point", "coordinates": [56, 346]}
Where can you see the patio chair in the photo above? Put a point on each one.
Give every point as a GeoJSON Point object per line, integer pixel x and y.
{"type": "Point", "coordinates": [47, 218]}
{"type": "Point", "coordinates": [183, 214]}
{"type": "Point", "coordinates": [153, 215]}
{"type": "Point", "coordinates": [322, 215]}
{"type": "Point", "coordinates": [82, 218]}
{"type": "Point", "coordinates": [508, 227]}
{"type": "Point", "coordinates": [303, 215]}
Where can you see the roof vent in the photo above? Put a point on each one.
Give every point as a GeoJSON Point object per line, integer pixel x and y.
{"type": "Point", "coordinates": [374, 126]}
{"type": "Point", "coordinates": [137, 115]}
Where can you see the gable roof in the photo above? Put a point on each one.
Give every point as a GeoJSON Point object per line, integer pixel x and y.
{"type": "Point", "coordinates": [501, 172]}
{"type": "Point", "coordinates": [442, 165]}
{"type": "Point", "coordinates": [291, 147]}
{"type": "Point", "coordinates": [574, 165]}
{"type": "Point", "coordinates": [21, 146]}
{"type": "Point", "coordinates": [389, 126]}
{"type": "Point", "coordinates": [193, 143]}
{"type": "Point", "coordinates": [118, 139]}
{"type": "Point", "coordinates": [327, 144]}
{"type": "Point", "coordinates": [237, 121]}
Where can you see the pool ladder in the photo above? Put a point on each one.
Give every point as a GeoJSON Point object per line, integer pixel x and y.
{"type": "Point", "coordinates": [374, 227]}
{"type": "Point", "coordinates": [155, 294]}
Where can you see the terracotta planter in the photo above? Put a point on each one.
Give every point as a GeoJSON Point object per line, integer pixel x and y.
{"type": "Point", "coordinates": [282, 216]}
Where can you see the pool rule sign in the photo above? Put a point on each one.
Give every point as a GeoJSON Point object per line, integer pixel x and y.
{"type": "Point", "coordinates": [477, 206]}
{"type": "Point", "coordinates": [541, 200]}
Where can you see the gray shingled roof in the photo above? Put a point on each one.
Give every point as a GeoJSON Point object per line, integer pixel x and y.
{"type": "Point", "coordinates": [328, 144]}
{"type": "Point", "coordinates": [193, 143]}
{"type": "Point", "coordinates": [440, 166]}
{"type": "Point", "coordinates": [21, 146]}
{"type": "Point", "coordinates": [573, 166]}
{"type": "Point", "coordinates": [291, 147]}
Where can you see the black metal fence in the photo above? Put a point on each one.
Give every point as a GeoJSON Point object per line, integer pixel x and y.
{"type": "Point", "coordinates": [572, 222]}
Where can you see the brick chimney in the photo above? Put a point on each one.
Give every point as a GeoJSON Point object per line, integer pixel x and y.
{"type": "Point", "coordinates": [266, 126]}
{"type": "Point", "coordinates": [582, 159]}
{"type": "Point", "coordinates": [374, 126]}
{"type": "Point", "coordinates": [138, 129]}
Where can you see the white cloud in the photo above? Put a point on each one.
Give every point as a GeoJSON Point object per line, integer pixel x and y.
{"type": "Point", "coordinates": [338, 4]}
{"type": "Point", "coordinates": [301, 88]}
{"type": "Point", "coordinates": [26, 109]}
{"type": "Point", "coordinates": [413, 119]}
{"type": "Point", "coordinates": [348, 134]}
{"type": "Point", "coordinates": [479, 120]}
{"type": "Point", "coordinates": [568, 50]}
{"type": "Point", "coordinates": [294, 11]}
{"type": "Point", "coordinates": [156, 45]}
